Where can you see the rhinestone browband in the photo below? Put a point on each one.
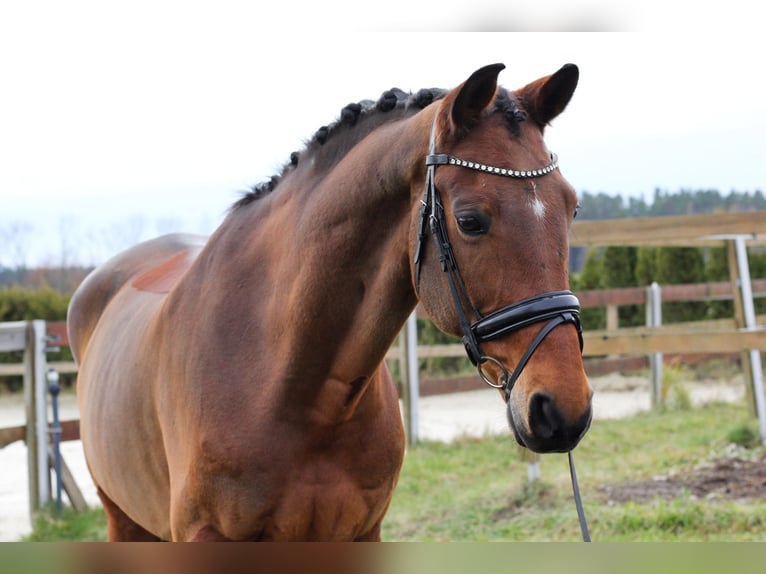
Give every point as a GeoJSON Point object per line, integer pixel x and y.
{"type": "Point", "coordinates": [452, 160]}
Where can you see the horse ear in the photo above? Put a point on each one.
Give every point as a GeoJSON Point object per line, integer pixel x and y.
{"type": "Point", "coordinates": [547, 97]}
{"type": "Point", "coordinates": [473, 97]}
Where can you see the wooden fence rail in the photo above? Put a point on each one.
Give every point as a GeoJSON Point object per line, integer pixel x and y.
{"type": "Point", "coordinates": [716, 337]}
{"type": "Point", "coordinates": [718, 291]}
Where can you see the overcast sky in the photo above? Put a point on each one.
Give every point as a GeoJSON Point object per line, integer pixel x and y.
{"type": "Point", "coordinates": [117, 125]}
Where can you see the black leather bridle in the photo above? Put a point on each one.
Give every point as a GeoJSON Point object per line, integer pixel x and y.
{"type": "Point", "coordinates": [555, 307]}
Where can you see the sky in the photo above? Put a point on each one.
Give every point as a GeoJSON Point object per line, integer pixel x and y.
{"type": "Point", "coordinates": [119, 122]}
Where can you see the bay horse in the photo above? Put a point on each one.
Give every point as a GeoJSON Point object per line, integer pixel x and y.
{"type": "Point", "coordinates": [235, 388]}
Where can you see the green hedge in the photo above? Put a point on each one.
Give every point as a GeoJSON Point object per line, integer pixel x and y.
{"type": "Point", "coordinates": [614, 267]}
{"type": "Point", "coordinates": [24, 304]}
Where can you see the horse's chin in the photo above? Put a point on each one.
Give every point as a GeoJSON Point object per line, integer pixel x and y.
{"type": "Point", "coordinates": [516, 434]}
{"type": "Point", "coordinates": [511, 413]}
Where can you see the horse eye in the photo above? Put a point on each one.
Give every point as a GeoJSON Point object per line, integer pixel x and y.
{"type": "Point", "coordinates": [576, 211]}
{"type": "Point", "coordinates": [472, 224]}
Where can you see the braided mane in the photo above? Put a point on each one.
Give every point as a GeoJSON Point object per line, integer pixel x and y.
{"type": "Point", "coordinates": [331, 142]}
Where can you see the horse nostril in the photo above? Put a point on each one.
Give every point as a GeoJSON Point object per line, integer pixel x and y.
{"type": "Point", "coordinates": [544, 418]}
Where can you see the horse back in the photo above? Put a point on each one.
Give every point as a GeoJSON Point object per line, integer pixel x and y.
{"type": "Point", "coordinates": [155, 266]}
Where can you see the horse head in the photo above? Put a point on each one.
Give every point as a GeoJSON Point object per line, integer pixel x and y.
{"type": "Point", "coordinates": [489, 246]}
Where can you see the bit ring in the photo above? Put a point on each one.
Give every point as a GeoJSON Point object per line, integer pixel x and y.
{"type": "Point", "coordinates": [504, 375]}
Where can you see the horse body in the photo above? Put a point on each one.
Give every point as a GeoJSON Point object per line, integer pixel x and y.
{"type": "Point", "coordinates": [237, 389]}
{"type": "Point", "coordinates": [278, 404]}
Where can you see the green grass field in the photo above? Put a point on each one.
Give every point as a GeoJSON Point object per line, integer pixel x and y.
{"type": "Point", "coordinates": [477, 490]}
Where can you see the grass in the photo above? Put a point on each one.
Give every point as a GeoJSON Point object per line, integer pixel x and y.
{"type": "Point", "coordinates": [675, 395]}
{"type": "Point", "coordinates": [477, 489]}
{"type": "Point", "coordinates": [68, 525]}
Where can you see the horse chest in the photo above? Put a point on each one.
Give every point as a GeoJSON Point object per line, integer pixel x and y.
{"type": "Point", "coordinates": [294, 491]}
{"type": "Point", "coordinates": [321, 502]}
{"type": "Point", "coordinates": [342, 510]}
{"type": "Point", "coordinates": [332, 497]}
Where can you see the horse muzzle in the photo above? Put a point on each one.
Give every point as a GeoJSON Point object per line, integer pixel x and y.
{"type": "Point", "coordinates": [537, 420]}
{"type": "Point", "coordinates": [544, 428]}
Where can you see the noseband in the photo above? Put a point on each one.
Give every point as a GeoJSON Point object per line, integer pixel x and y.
{"type": "Point", "coordinates": [555, 307]}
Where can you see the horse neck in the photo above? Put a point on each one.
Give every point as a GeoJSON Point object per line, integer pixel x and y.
{"type": "Point", "coordinates": [331, 275]}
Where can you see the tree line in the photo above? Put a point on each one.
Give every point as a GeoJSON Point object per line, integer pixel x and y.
{"type": "Point", "coordinates": [683, 202]}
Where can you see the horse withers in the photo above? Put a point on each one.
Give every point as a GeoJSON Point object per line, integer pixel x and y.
{"type": "Point", "coordinates": [235, 388]}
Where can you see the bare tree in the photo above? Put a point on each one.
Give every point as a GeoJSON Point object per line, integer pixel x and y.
{"type": "Point", "coordinates": [120, 236]}
{"type": "Point", "coordinates": [165, 225]}
{"type": "Point", "coordinates": [14, 244]}
{"type": "Point", "coordinates": [133, 229]}
{"type": "Point", "coordinates": [68, 238]}
{"type": "Point", "coordinates": [69, 253]}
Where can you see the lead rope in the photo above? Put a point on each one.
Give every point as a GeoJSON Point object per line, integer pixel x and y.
{"type": "Point", "coordinates": [578, 500]}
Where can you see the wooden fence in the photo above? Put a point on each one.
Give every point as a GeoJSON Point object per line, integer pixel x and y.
{"type": "Point", "coordinates": [632, 345]}
{"type": "Point", "coordinates": [35, 338]}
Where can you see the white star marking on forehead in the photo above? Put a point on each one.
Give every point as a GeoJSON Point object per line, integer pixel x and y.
{"type": "Point", "coordinates": [538, 207]}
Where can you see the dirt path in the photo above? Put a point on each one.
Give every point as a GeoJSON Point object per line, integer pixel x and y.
{"type": "Point", "coordinates": [442, 418]}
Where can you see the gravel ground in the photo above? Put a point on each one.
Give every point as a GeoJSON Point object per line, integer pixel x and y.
{"type": "Point", "coordinates": [442, 418]}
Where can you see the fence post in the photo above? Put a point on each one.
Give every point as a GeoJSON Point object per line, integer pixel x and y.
{"type": "Point", "coordinates": [654, 319]}
{"type": "Point", "coordinates": [408, 366]}
{"type": "Point", "coordinates": [35, 394]}
{"type": "Point", "coordinates": [54, 389]}
{"type": "Point", "coordinates": [739, 316]}
{"type": "Point", "coordinates": [748, 313]}
{"type": "Point", "coordinates": [612, 318]}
